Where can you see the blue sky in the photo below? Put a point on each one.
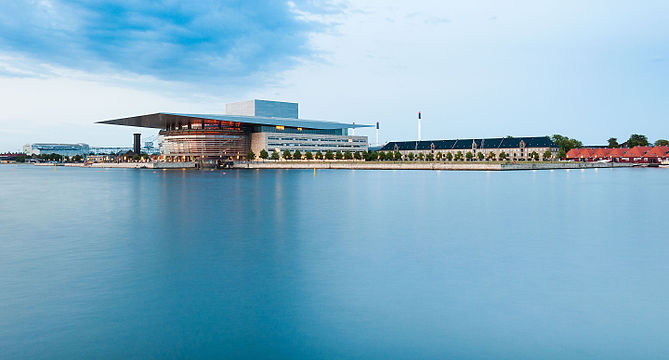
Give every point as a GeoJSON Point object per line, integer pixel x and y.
{"type": "Point", "coordinates": [589, 70]}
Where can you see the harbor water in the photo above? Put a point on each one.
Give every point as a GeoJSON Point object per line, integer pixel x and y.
{"type": "Point", "coordinates": [333, 264]}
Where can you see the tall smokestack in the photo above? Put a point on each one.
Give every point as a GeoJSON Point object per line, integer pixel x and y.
{"type": "Point", "coordinates": [419, 126]}
{"type": "Point", "coordinates": [377, 133]}
{"type": "Point", "coordinates": [136, 146]}
{"type": "Point", "coordinates": [353, 129]}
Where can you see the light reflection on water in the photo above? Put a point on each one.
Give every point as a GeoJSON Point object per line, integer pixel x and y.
{"type": "Point", "coordinates": [344, 264]}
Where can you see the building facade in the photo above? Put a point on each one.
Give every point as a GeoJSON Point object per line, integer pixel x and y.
{"type": "Point", "coordinates": [250, 125]}
{"type": "Point", "coordinates": [515, 148]}
{"type": "Point", "coordinates": [60, 149]}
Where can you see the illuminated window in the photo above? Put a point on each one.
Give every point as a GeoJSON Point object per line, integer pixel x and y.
{"type": "Point", "coordinates": [279, 127]}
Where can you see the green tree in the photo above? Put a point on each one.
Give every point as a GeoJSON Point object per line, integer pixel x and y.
{"type": "Point", "coordinates": [319, 155]}
{"type": "Point", "coordinates": [275, 155]}
{"type": "Point", "coordinates": [503, 156]}
{"type": "Point", "coordinates": [449, 156]}
{"type": "Point", "coordinates": [480, 155]}
{"type": "Point", "coordinates": [421, 156]}
{"type": "Point", "coordinates": [440, 156]}
{"type": "Point", "coordinates": [357, 155]}
{"type": "Point", "coordinates": [373, 156]}
{"type": "Point", "coordinates": [250, 155]}
{"type": "Point", "coordinates": [348, 155]}
{"type": "Point", "coordinates": [308, 155]}
{"type": "Point", "coordinates": [411, 156]}
{"type": "Point", "coordinates": [263, 154]}
{"type": "Point", "coordinates": [329, 155]}
{"type": "Point", "coordinates": [491, 156]}
{"type": "Point", "coordinates": [613, 143]}
{"type": "Point", "coordinates": [339, 155]}
{"type": "Point", "coordinates": [534, 156]}
{"type": "Point", "coordinates": [662, 142]}
{"type": "Point", "coordinates": [382, 155]}
{"type": "Point", "coordinates": [565, 144]}
{"type": "Point", "coordinates": [458, 156]}
{"type": "Point", "coordinates": [429, 157]}
{"type": "Point", "coordinates": [286, 155]}
{"type": "Point", "coordinates": [637, 140]}
{"type": "Point", "coordinates": [469, 156]}
{"type": "Point", "coordinates": [135, 157]}
{"type": "Point", "coordinates": [398, 155]}
{"type": "Point", "coordinates": [297, 155]}
{"type": "Point", "coordinates": [547, 155]}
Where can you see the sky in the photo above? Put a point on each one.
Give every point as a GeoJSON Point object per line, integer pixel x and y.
{"type": "Point", "coordinates": [585, 69]}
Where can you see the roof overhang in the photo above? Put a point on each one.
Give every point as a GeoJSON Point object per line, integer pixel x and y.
{"type": "Point", "coordinates": [162, 120]}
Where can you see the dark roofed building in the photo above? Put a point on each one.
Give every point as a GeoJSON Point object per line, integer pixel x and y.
{"type": "Point", "coordinates": [517, 148]}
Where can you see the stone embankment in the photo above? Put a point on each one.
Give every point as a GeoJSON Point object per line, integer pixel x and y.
{"type": "Point", "coordinates": [366, 165]}
{"type": "Point", "coordinates": [146, 165]}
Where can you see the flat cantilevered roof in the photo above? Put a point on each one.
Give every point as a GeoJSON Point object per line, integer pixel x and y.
{"type": "Point", "coordinates": [162, 120]}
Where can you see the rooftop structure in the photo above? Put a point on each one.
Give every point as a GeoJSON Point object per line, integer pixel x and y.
{"type": "Point", "coordinates": [251, 125]}
{"type": "Point", "coordinates": [640, 154]}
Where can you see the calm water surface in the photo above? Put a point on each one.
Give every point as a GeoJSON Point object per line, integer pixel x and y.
{"type": "Point", "coordinates": [113, 264]}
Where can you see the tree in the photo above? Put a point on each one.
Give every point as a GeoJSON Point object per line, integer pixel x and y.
{"type": "Point", "coordinates": [357, 155]}
{"type": "Point", "coordinates": [411, 156]}
{"type": "Point", "coordinates": [398, 155]}
{"type": "Point", "coordinates": [275, 155]}
{"type": "Point", "coordinates": [429, 157]}
{"type": "Point", "coordinates": [372, 156]}
{"type": "Point", "coordinates": [286, 154]}
{"type": "Point", "coordinates": [263, 154]}
{"type": "Point", "coordinates": [503, 156]}
{"type": "Point", "coordinates": [662, 142]}
{"type": "Point", "coordinates": [135, 157]}
{"type": "Point", "coordinates": [449, 156]}
{"type": "Point", "coordinates": [458, 156]}
{"type": "Point", "coordinates": [440, 156]}
{"type": "Point", "coordinates": [382, 155]}
{"type": "Point", "coordinates": [480, 155]}
{"type": "Point", "coordinates": [421, 156]}
{"type": "Point", "coordinates": [348, 155]}
{"type": "Point", "coordinates": [469, 156]}
{"type": "Point", "coordinates": [547, 155]}
{"type": "Point", "coordinates": [308, 155]}
{"type": "Point", "coordinates": [534, 156]}
{"type": "Point", "coordinates": [613, 143]}
{"type": "Point", "coordinates": [297, 155]}
{"type": "Point", "coordinates": [339, 155]}
{"type": "Point", "coordinates": [319, 155]}
{"type": "Point", "coordinates": [329, 155]}
{"type": "Point", "coordinates": [565, 144]}
{"type": "Point", "coordinates": [491, 156]}
{"type": "Point", "coordinates": [250, 155]}
{"type": "Point", "coordinates": [637, 140]}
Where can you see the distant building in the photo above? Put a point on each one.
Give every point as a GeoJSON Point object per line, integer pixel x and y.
{"type": "Point", "coordinates": [60, 149]}
{"type": "Point", "coordinates": [250, 125]}
{"type": "Point", "coordinates": [516, 148]}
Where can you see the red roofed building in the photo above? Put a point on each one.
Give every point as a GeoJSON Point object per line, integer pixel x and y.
{"type": "Point", "coordinates": [573, 154]}
{"type": "Point", "coordinates": [601, 153]}
{"type": "Point", "coordinates": [656, 154]}
{"type": "Point", "coordinates": [586, 154]}
{"type": "Point", "coordinates": [618, 153]}
{"type": "Point", "coordinates": [636, 154]}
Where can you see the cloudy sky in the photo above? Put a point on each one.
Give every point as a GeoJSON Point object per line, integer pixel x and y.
{"type": "Point", "coordinates": [586, 69]}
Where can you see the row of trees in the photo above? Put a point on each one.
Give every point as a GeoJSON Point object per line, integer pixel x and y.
{"type": "Point", "coordinates": [391, 156]}
{"type": "Point", "coordinates": [636, 140]}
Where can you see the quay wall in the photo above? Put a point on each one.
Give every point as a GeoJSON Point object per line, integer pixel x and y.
{"type": "Point", "coordinates": [364, 165]}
